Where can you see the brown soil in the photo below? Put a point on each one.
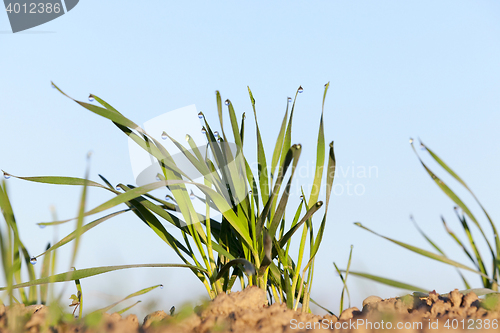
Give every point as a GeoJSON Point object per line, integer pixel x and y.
{"type": "Point", "coordinates": [248, 311]}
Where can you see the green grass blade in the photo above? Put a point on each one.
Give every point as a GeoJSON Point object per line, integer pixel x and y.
{"type": "Point", "coordinates": [103, 103]}
{"type": "Point", "coordinates": [425, 253]}
{"type": "Point", "coordinates": [389, 282]}
{"type": "Point", "coordinates": [330, 175]}
{"type": "Point", "coordinates": [280, 211]}
{"type": "Point", "coordinates": [292, 155]}
{"type": "Point", "coordinates": [60, 181]}
{"type": "Point", "coordinates": [242, 131]}
{"type": "Point", "coordinates": [219, 113]}
{"type": "Point", "coordinates": [339, 272]}
{"type": "Point", "coordinates": [45, 273]}
{"type": "Point", "coordinates": [292, 230]}
{"type": "Point", "coordinates": [80, 297]}
{"type": "Point", "coordinates": [234, 126]}
{"type": "Point", "coordinates": [288, 134]}
{"type": "Point", "coordinates": [88, 272]}
{"type": "Point", "coordinates": [278, 148]}
{"type": "Point", "coordinates": [137, 293]}
{"type": "Point", "coordinates": [261, 158]}
{"type": "Point", "coordinates": [111, 115]}
{"type": "Point", "coordinates": [425, 236]}
{"type": "Point", "coordinates": [456, 200]}
{"type": "Point", "coordinates": [84, 229]}
{"type": "Point", "coordinates": [248, 267]}
{"type": "Point", "coordinates": [127, 308]}
{"type": "Point", "coordinates": [320, 155]}
{"type": "Point", "coordinates": [454, 175]}
{"type": "Point", "coordinates": [479, 260]}
{"type": "Point", "coordinates": [459, 242]}
{"type": "Point", "coordinates": [81, 215]}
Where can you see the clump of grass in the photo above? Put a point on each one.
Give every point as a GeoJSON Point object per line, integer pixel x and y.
{"type": "Point", "coordinates": [252, 241]}
{"type": "Point", "coordinates": [489, 276]}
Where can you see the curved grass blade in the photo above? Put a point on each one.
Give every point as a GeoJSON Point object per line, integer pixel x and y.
{"type": "Point", "coordinates": [426, 253]}
{"type": "Point", "coordinates": [123, 198]}
{"type": "Point", "coordinates": [344, 281]}
{"type": "Point", "coordinates": [459, 242]}
{"type": "Point", "coordinates": [425, 236]}
{"type": "Point", "coordinates": [44, 273]}
{"type": "Point", "coordinates": [454, 175]}
{"type": "Point", "coordinates": [249, 268]}
{"type": "Point", "coordinates": [84, 229]}
{"type": "Point", "coordinates": [455, 199]}
{"type": "Point", "coordinates": [127, 308]}
{"type": "Point", "coordinates": [137, 293]}
{"type": "Point", "coordinates": [88, 272]}
{"type": "Point", "coordinates": [278, 148]}
{"type": "Point", "coordinates": [111, 115]}
{"type": "Point", "coordinates": [80, 297]}
{"type": "Point", "coordinates": [60, 181]}
{"type": "Point", "coordinates": [292, 155]}
{"type": "Point", "coordinates": [280, 211]}
{"type": "Point", "coordinates": [234, 125]}
{"type": "Point", "coordinates": [292, 230]}
{"type": "Point", "coordinates": [389, 282]}
{"type": "Point", "coordinates": [320, 155]}
{"type": "Point", "coordinates": [14, 249]}
{"type": "Point", "coordinates": [261, 158]}
{"type": "Point", "coordinates": [81, 215]}
{"type": "Point", "coordinates": [219, 112]}
{"type": "Point", "coordinates": [329, 182]}
{"type": "Point", "coordinates": [479, 263]}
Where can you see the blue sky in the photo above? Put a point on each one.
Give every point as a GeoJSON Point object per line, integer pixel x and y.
{"type": "Point", "coordinates": [397, 69]}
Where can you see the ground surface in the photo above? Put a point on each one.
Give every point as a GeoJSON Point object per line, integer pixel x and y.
{"type": "Point", "coordinates": [248, 311]}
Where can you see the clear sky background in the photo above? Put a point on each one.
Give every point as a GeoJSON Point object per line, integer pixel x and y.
{"type": "Point", "coordinates": [397, 69]}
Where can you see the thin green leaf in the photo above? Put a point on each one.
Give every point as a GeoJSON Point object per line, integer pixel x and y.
{"type": "Point", "coordinates": [137, 293]}
{"type": "Point", "coordinates": [425, 253]}
{"type": "Point", "coordinates": [88, 272]}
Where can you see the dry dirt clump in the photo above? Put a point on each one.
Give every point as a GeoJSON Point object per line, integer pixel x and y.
{"type": "Point", "coordinates": [248, 311]}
